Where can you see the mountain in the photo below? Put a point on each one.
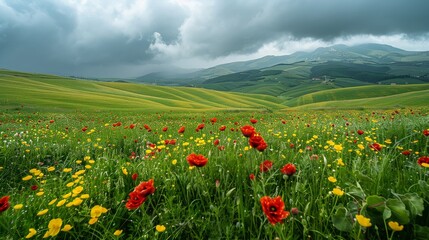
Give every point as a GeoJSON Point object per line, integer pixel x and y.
{"type": "Point", "coordinates": [359, 54]}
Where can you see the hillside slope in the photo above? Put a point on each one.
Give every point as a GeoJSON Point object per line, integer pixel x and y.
{"type": "Point", "coordinates": [53, 93]}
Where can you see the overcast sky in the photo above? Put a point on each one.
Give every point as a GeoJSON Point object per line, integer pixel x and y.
{"type": "Point", "coordinates": [113, 38]}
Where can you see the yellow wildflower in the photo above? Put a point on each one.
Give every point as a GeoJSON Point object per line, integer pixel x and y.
{"type": "Point", "coordinates": [117, 232]}
{"type": "Point", "coordinates": [92, 221]}
{"type": "Point", "coordinates": [18, 206]}
{"type": "Point", "coordinates": [26, 178]}
{"type": "Point", "coordinates": [97, 210]}
{"type": "Point", "coordinates": [66, 228]}
{"type": "Point", "coordinates": [31, 233]}
{"type": "Point", "coordinates": [332, 179]}
{"type": "Point", "coordinates": [52, 202]}
{"type": "Point", "coordinates": [340, 162]}
{"type": "Point", "coordinates": [66, 170]}
{"type": "Point", "coordinates": [77, 190]}
{"type": "Point", "coordinates": [50, 169]}
{"type": "Point", "coordinates": [124, 171]}
{"type": "Point", "coordinates": [363, 221]}
{"type": "Point", "coordinates": [160, 228]}
{"type": "Point", "coordinates": [43, 212]}
{"type": "Point", "coordinates": [395, 226]}
{"type": "Point", "coordinates": [337, 191]}
{"type": "Point", "coordinates": [54, 227]}
{"type": "Point", "coordinates": [84, 196]}
{"type": "Point", "coordinates": [174, 162]}
{"type": "Point", "coordinates": [60, 203]}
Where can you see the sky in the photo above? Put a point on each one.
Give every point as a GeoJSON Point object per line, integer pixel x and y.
{"type": "Point", "coordinates": [130, 38]}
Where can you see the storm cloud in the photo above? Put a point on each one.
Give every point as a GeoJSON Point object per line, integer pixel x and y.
{"type": "Point", "coordinates": [130, 38]}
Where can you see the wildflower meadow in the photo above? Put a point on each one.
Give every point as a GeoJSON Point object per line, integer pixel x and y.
{"type": "Point", "coordinates": [215, 175]}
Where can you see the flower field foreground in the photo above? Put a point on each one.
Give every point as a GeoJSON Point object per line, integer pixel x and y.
{"type": "Point", "coordinates": [295, 175]}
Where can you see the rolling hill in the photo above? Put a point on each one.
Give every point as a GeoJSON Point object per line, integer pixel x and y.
{"type": "Point", "coordinates": [366, 54]}
{"type": "Point", "coordinates": [38, 92]}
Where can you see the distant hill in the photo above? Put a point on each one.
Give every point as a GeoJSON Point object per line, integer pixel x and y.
{"type": "Point", "coordinates": [359, 54]}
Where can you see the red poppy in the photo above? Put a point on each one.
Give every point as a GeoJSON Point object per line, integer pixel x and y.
{"type": "Point", "coordinates": [291, 145]}
{"type": "Point", "coordinates": [135, 200]}
{"type": "Point", "coordinates": [314, 157]}
{"type": "Point", "coordinates": [164, 129]}
{"type": "Point", "coordinates": [84, 128]}
{"type": "Point", "coordinates": [132, 126]}
{"type": "Point", "coordinates": [253, 121]}
{"type": "Point", "coordinates": [132, 155]}
{"type": "Point", "coordinates": [117, 124]}
{"type": "Point", "coordinates": [375, 146]}
{"type": "Point", "coordinates": [221, 148]}
{"type": "Point", "coordinates": [147, 128]}
{"type": "Point", "coordinates": [406, 152]}
{"type": "Point", "coordinates": [134, 176]}
{"type": "Point", "coordinates": [426, 132]}
{"type": "Point", "coordinates": [181, 129]}
{"type": "Point", "coordinates": [172, 142]}
{"type": "Point", "coordinates": [262, 146]}
{"type": "Point", "coordinates": [247, 130]}
{"type": "Point", "coordinates": [255, 140]}
{"type": "Point", "coordinates": [284, 121]}
{"type": "Point", "coordinates": [222, 128]}
{"type": "Point", "coordinates": [200, 127]}
{"type": "Point", "coordinates": [265, 166]}
{"type": "Point", "coordinates": [145, 188]}
{"type": "Point", "coordinates": [216, 142]}
{"type": "Point", "coordinates": [213, 120]}
{"type": "Point", "coordinates": [51, 121]}
{"type": "Point", "coordinates": [252, 176]}
{"type": "Point", "coordinates": [34, 187]}
{"type": "Point", "coordinates": [196, 160]}
{"type": "Point", "coordinates": [274, 209]}
{"type": "Point", "coordinates": [4, 203]}
{"type": "Point", "coordinates": [360, 132]}
{"type": "Point", "coordinates": [424, 159]}
{"type": "Point", "coordinates": [288, 169]}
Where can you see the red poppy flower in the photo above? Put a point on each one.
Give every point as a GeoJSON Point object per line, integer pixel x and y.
{"type": "Point", "coordinates": [196, 160]}
{"type": "Point", "coordinates": [134, 176]}
{"type": "Point", "coordinates": [360, 132]}
{"type": "Point", "coordinates": [132, 126]}
{"type": "Point", "coordinates": [132, 155]}
{"type": "Point", "coordinates": [216, 142]}
{"type": "Point", "coordinates": [84, 128]}
{"type": "Point", "coordinates": [145, 188]}
{"type": "Point", "coordinates": [164, 129]}
{"type": "Point", "coordinates": [200, 126]}
{"type": "Point", "coordinates": [181, 129]}
{"type": "Point", "coordinates": [375, 146]}
{"type": "Point", "coordinates": [253, 121]}
{"type": "Point", "coordinates": [4, 203]}
{"type": "Point", "coordinates": [274, 209]}
{"type": "Point", "coordinates": [221, 148]}
{"type": "Point", "coordinates": [291, 145]}
{"type": "Point", "coordinates": [34, 187]}
{"type": "Point", "coordinates": [172, 142]}
{"type": "Point", "coordinates": [213, 120]}
{"type": "Point", "coordinates": [424, 159]}
{"type": "Point", "coordinates": [252, 176]}
{"type": "Point", "coordinates": [262, 146]}
{"type": "Point", "coordinates": [51, 121]}
{"type": "Point", "coordinates": [255, 140]}
{"type": "Point", "coordinates": [147, 128]}
{"type": "Point", "coordinates": [247, 130]}
{"type": "Point", "coordinates": [222, 128]}
{"type": "Point", "coordinates": [135, 200]}
{"type": "Point", "coordinates": [406, 152]}
{"type": "Point", "coordinates": [265, 166]}
{"type": "Point", "coordinates": [426, 132]}
{"type": "Point", "coordinates": [288, 169]}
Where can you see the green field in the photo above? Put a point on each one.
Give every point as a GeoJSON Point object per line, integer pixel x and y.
{"type": "Point", "coordinates": [53, 93]}
{"type": "Point", "coordinates": [367, 96]}
{"type": "Point", "coordinates": [334, 175]}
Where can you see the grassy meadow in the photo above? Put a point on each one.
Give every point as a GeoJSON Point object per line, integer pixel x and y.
{"type": "Point", "coordinates": [112, 160]}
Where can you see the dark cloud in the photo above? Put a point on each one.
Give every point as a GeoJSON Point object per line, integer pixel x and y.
{"type": "Point", "coordinates": [128, 38]}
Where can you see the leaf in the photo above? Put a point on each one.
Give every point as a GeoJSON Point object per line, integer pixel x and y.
{"type": "Point", "coordinates": [421, 232]}
{"type": "Point", "coordinates": [364, 178]}
{"type": "Point", "coordinates": [424, 186]}
{"type": "Point", "coordinates": [342, 220]}
{"type": "Point", "coordinates": [376, 202]}
{"type": "Point", "coordinates": [230, 191]}
{"type": "Point", "coordinates": [399, 212]}
{"type": "Point", "coordinates": [414, 204]}
{"type": "Point", "coordinates": [387, 213]}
